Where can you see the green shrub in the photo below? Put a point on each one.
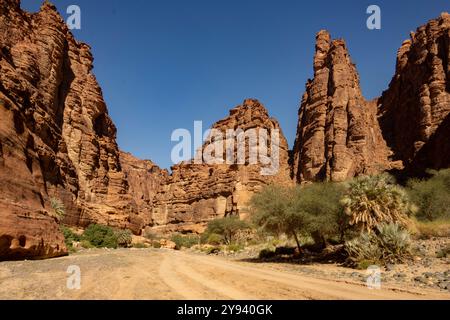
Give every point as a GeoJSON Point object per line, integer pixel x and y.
{"type": "Point", "coordinates": [432, 196]}
{"type": "Point", "coordinates": [86, 244]}
{"type": "Point", "coordinates": [124, 238]}
{"type": "Point", "coordinates": [69, 236]}
{"type": "Point", "coordinates": [394, 241]}
{"type": "Point", "coordinates": [184, 241]}
{"type": "Point", "coordinates": [372, 200]}
{"type": "Point", "coordinates": [226, 228]}
{"type": "Point", "coordinates": [211, 238]}
{"type": "Point", "coordinates": [100, 236]}
{"type": "Point", "coordinates": [390, 244]}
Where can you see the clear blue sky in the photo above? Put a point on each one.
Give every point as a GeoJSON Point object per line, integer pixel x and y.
{"type": "Point", "coordinates": [164, 64]}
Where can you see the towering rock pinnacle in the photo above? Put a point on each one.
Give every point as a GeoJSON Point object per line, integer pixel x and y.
{"type": "Point", "coordinates": [338, 135]}
{"type": "Point", "coordinates": [415, 110]}
{"type": "Point", "coordinates": [197, 193]}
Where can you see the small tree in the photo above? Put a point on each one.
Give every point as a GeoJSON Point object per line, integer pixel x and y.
{"type": "Point", "coordinates": [371, 201]}
{"type": "Point", "coordinates": [273, 209]}
{"type": "Point", "coordinates": [226, 227]}
{"type": "Point", "coordinates": [432, 196]}
{"type": "Point", "coordinates": [323, 214]}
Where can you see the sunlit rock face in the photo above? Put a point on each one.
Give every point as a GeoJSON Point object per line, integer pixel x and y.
{"type": "Point", "coordinates": [415, 109]}
{"type": "Point", "coordinates": [56, 138]}
{"type": "Point", "coordinates": [338, 135]}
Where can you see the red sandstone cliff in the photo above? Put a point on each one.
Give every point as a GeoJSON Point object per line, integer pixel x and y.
{"type": "Point", "coordinates": [56, 138]}
{"type": "Point", "coordinates": [338, 136]}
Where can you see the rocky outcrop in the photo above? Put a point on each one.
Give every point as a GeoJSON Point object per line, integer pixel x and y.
{"type": "Point", "coordinates": [145, 180]}
{"type": "Point", "coordinates": [415, 110]}
{"type": "Point", "coordinates": [56, 138]}
{"type": "Point", "coordinates": [197, 193]}
{"type": "Point", "coordinates": [338, 136]}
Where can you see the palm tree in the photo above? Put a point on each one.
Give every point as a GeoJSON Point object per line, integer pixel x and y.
{"type": "Point", "coordinates": [371, 201]}
{"type": "Point", "coordinates": [58, 208]}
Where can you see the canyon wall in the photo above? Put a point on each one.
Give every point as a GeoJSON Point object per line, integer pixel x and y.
{"type": "Point", "coordinates": [341, 135]}
{"type": "Point", "coordinates": [415, 109]}
{"type": "Point", "coordinates": [56, 138]}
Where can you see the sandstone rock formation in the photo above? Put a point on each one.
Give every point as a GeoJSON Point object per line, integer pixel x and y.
{"type": "Point", "coordinates": [197, 193]}
{"type": "Point", "coordinates": [145, 180]}
{"type": "Point", "coordinates": [56, 138]}
{"type": "Point", "coordinates": [338, 135]}
{"type": "Point", "coordinates": [415, 110]}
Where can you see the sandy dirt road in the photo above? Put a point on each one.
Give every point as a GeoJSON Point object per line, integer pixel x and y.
{"type": "Point", "coordinates": [163, 274]}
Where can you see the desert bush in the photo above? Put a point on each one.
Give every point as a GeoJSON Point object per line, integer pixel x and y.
{"type": "Point", "coordinates": [211, 238]}
{"type": "Point", "coordinates": [394, 241]}
{"type": "Point", "coordinates": [69, 236]}
{"type": "Point", "coordinates": [124, 238]}
{"type": "Point", "coordinates": [432, 196]}
{"type": "Point", "coordinates": [389, 244]}
{"type": "Point", "coordinates": [100, 236]}
{"type": "Point", "coordinates": [58, 208]}
{"type": "Point", "coordinates": [226, 228]}
{"type": "Point", "coordinates": [184, 241]}
{"type": "Point", "coordinates": [86, 244]}
{"type": "Point", "coordinates": [363, 249]}
{"type": "Point", "coordinates": [371, 201]}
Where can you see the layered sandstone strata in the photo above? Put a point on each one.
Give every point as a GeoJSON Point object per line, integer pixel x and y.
{"type": "Point", "coordinates": [415, 110]}
{"type": "Point", "coordinates": [197, 193]}
{"type": "Point", "coordinates": [338, 135]}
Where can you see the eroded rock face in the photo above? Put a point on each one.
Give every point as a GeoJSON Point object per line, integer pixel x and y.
{"type": "Point", "coordinates": [197, 193]}
{"type": "Point", "coordinates": [56, 138]}
{"type": "Point", "coordinates": [338, 135]}
{"type": "Point", "coordinates": [145, 180]}
{"type": "Point", "coordinates": [415, 110]}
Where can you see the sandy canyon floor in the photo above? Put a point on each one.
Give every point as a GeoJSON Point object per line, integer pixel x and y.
{"type": "Point", "coordinates": [164, 274]}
